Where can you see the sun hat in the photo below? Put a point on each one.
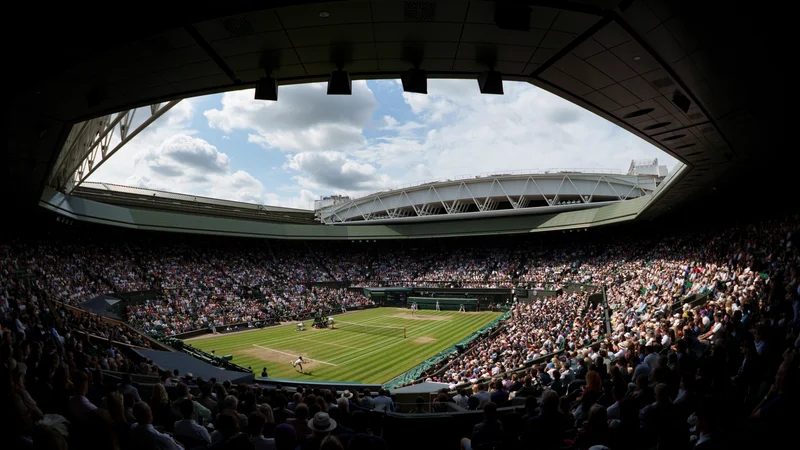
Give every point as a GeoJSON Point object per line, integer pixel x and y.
{"type": "Point", "coordinates": [347, 394]}
{"type": "Point", "coordinates": [321, 422]}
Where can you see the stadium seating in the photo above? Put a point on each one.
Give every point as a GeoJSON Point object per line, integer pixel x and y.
{"type": "Point", "coordinates": [696, 338]}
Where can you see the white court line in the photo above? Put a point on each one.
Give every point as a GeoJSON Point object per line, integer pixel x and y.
{"type": "Point", "coordinates": [293, 355]}
{"type": "Point", "coordinates": [382, 348]}
{"type": "Point", "coordinates": [328, 343]}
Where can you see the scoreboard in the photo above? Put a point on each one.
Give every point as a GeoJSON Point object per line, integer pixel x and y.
{"type": "Point", "coordinates": [396, 297]}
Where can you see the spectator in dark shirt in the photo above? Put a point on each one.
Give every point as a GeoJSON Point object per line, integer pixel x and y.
{"type": "Point", "coordinates": [545, 430]}
{"type": "Point", "coordinates": [542, 376]}
{"type": "Point", "coordinates": [527, 390]}
{"type": "Point", "coordinates": [596, 431]}
{"type": "Point", "coordinates": [580, 373]}
{"type": "Point", "coordinates": [558, 384]}
{"type": "Point", "coordinates": [500, 395]}
{"type": "Point", "coordinates": [490, 430]}
{"type": "Point", "coordinates": [516, 384]}
{"type": "Point", "coordinates": [281, 413]}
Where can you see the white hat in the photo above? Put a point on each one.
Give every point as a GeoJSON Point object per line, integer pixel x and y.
{"type": "Point", "coordinates": [347, 394]}
{"type": "Point", "coordinates": [322, 422]}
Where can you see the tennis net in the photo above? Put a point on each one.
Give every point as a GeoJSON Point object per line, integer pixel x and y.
{"type": "Point", "coordinates": [370, 329]}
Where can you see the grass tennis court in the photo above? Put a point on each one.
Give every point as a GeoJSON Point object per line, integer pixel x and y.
{"type": "Point", "coordinates": [350, 352]}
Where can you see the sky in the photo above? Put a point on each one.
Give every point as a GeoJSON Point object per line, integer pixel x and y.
{"type": "Point", "coordinates": [309, 144]}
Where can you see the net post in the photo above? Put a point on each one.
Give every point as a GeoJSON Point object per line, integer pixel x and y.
{"type": "Point", "coordinates": [404, 332]}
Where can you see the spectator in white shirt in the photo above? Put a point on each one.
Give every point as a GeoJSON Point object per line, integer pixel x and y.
{"type": "Point", "coordinates": [383, 401]}
{"type": "Point", "coordinates": [79, 405]}
{"type": "Point", "coordinates": [200, 411]}
{"type": "Point", "coordinates": [126, 387]}
{"type": "Point", "coordinates": [187, 430]}
{"type": "Point", "coordinates": [366, 400]}
{"type": "Point", "coordinates": [461, 398]}
{"type": "Point", "coordinates": [143, 435]}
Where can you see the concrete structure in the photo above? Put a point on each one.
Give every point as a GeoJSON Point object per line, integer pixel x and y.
{"type": "Point", "coordinates": [490, 196]}
{"type": "Point", "coordinates": [698, 80]}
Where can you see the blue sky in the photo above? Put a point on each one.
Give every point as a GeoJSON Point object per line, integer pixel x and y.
{"type": "Point", "coordinates": [309, 144]}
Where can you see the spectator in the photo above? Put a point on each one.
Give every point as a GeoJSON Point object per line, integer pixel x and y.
{"type": "Point", "coordinates": [488, 431]}
{"type": "Point", "coordinates": [187, 431]}
{"type": "Point", "coordinates": [255, 428]}
{"type": "Point", "coordinates": [545, 430]}
{"type": "Point", "coordinates": [143, 435]}
{"type": "Point", "coordinates": [79, 405]}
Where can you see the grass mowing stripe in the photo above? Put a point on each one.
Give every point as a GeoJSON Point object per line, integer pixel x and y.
{"type": "Point", "coordinates": [289, 354]}
{"type": "Point", "coordinates": [441, 325]}
{"type": "Point", "coordinates": [381, 359]}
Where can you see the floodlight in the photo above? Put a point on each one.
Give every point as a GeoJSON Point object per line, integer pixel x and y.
{"type": "Point", "coordinates": [340, 83]}
{"type": "Point", "coordinates": [415, 80]}
{"type": "Point", "coordinates": [491, 82]}
{"type": "Point", "coordinates": [267, 89]}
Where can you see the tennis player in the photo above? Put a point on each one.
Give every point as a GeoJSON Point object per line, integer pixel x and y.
{"type": "Point", "coordinates": [413, 308]}
{"type": "Point", "coordinates": [298, 363]}
{"type": "Point", "coordinates": [437, 305]}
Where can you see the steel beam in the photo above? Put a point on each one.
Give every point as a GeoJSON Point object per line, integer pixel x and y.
{"type": "Point", "coordinates": [87, 146]}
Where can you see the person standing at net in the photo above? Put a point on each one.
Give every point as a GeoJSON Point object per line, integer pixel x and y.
{"type": "Point", "coordinates": [298, 363]}
{"type": "Point", "coordinates": [437, 306]}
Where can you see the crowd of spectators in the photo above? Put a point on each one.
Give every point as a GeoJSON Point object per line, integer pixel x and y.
{"type": "Point", "coordinates": [657, 372]}
{"type": "Point", "coordinates": [721, 372]}
{"type": "Point", "coordinates": [55, 394]}
{"type": "Point", "coordinates": [535, 329]}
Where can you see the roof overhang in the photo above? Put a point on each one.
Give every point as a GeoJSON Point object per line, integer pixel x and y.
{"type": "Point", "coordinates": [672, 60]}
{"type": "Point", "coordinates": [244, 224]}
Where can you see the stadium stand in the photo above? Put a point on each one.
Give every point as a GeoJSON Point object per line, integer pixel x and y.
{"type": "Point", "coordinates": [695, 338]}
{"type": "Point", "coordinates": [675, 335]}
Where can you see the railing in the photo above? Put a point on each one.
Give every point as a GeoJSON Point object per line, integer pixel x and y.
{"type": "Point", "coordinates": [503, 173]}
{"type": "Point", "coordinates": [78, 311]}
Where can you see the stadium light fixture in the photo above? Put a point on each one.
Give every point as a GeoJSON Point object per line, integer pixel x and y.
{"type": "Point", "coordinates": [491, 82]}
{"type": "Point", "coordinates": [340, 83]}
{"type": "Point", "coordinates": [415, 80]}
{"type": "Point", "coordinates": [267, 89]}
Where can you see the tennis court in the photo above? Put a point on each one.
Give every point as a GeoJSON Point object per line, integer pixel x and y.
{"type": "Point", "coordinates": [365, 346]}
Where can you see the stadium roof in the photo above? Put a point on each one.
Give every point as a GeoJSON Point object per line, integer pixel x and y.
{"type": "Point", "coordinates": [694, 79]}
{"type": "Point", "coordinates": [169, 201]}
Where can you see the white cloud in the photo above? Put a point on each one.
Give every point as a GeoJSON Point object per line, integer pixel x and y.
{"type": "Point", "coordinates": [191, 165]}
{"type": "Point", "coordinates": [182, 153]}
{"type": "Point", "coordinates": [305, 118]}
{"type": "Point", "coordinates": [334, 170]}
{"type": "Point", "coordinates": [454, 130]}
{"type": "Point", "coordinates": [169, 156]}
{"type": "Point", "coordinates": [527, 128]}
{"type": "Point", "coordinates": [391, 122]}
{"type": "Point", "coordinates": [180, 113]}
{"type": "Point", "coordinates": [303, 200]}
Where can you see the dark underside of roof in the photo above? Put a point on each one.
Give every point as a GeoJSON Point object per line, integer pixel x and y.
{"type": "Point", "coordinates": [704, 81]}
